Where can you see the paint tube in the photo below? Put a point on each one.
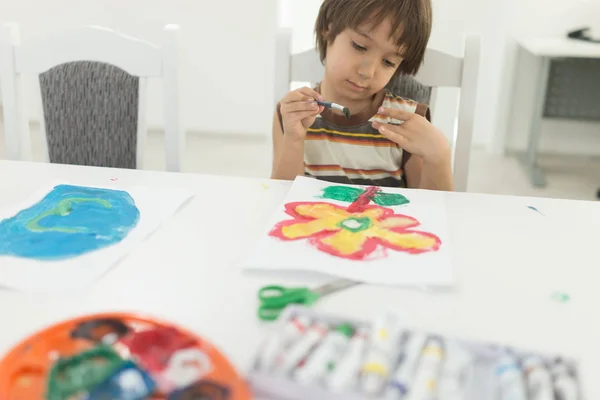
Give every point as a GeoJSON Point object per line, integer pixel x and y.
{"type": "Point", "coordinates": [509, 379]}
{"type": "Point", "coordinates": [539, 384]}
{"type": "Point", "coordinates": [456, 372]}
{"type": "Point", "coordinates": [323, 359]}
{"type": "Point", "coordinates": [300, 350]}
{"type": "Point", "coordinates": [427, 376]}
{"type": "Point", "coordinates": [384, 340]}
{"type": "Point", "coordinates": [344, 377]}
{"type": "Point", "coordinates": [401, 382]}
{"type": "Point", "coordinates": [565, 384]}
{"type": "Point", "coordinates": [280, 340]}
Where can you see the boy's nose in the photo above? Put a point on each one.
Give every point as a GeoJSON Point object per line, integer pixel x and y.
{"type": "Point", "coordinates": [366, 69]}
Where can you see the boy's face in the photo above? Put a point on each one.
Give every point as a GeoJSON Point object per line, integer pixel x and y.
{"type": "Point", "coordinates": [361, 61]}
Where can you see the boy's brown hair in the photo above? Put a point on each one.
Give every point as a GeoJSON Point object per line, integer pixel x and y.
{"type": "Point", "coordinates": [411, 25]}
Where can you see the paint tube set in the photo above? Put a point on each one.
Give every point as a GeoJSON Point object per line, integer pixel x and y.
{"type": "Point", "coordinates": [310, 355]}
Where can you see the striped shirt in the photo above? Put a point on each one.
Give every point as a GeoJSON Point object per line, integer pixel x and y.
{"type": "Point", "coordinates": [352, 151]}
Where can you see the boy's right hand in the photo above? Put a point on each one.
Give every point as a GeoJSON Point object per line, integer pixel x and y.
{"type": "Point", "coordinates": [299, 111]}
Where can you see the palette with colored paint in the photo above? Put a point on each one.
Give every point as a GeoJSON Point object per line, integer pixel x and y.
{"type": "Point", "coordinates": [118, 356]}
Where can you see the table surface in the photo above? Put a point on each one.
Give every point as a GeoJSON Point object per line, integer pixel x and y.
{"type": "Point", "coordinates": [508, 261]}
{"type": "Point", "coordinates": [560, 47]}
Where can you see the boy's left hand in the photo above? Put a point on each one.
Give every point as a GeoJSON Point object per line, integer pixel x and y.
{"type": "Point", "coordinates": [415, 135]}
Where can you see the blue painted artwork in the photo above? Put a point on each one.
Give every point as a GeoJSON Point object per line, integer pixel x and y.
{"type": "Point", "coordinates": [68, 222]}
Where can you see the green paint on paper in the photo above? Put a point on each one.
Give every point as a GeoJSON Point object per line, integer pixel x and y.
{"type": "Point", "coordinates": [342, 193]}
{"type": "Point", "coordinates": [63, 208]}
{"type": "Point", "coordinates": [561, 297]}
{"type": "Point", "coordinates": [350, 194]}
{"type": "Point", "coordinates": [356, 224]}
{"type": "Point", "coordinates": [390, 199]}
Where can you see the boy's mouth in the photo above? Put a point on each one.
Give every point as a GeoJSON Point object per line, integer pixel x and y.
{"type": "Point", "coordinates": [356, 87]}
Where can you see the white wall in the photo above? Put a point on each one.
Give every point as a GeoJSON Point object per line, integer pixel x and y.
{"type": "Point", "coordinates": [227, 57]}
{"type": "Point", "coordinates": [227, 65]}
{"type": "Point", "coordinates": [499, 22]}
{"type": "Point", "coordinates": [551, 19]}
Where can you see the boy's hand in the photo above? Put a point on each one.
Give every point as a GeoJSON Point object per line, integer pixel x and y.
{"type": "Point", "coordinates": [415, 135]}
{"type": "Point", "coordinates": [299, 111]}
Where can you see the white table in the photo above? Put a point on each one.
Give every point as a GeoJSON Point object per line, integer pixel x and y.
{"type": "Point", "coordinates": [508, 261]}
{"type": "Point", "coordinates": [545, 49]}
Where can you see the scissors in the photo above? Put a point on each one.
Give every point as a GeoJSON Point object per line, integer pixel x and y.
{"type": "Point", "coordinates": [274, 298]}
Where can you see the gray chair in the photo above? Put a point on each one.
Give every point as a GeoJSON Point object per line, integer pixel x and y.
{"type": "Point", "coordinates": [93, 84]}
{"type": "Point", "coordinates": [90, 114]}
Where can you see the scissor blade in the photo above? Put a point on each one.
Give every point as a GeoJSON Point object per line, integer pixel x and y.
{"type": "Point", "coordinates": [339, 284]}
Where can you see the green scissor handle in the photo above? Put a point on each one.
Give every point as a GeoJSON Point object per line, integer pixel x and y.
{"type": "Point", "coordinates": [275, 298]}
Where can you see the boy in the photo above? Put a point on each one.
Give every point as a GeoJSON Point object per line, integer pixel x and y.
{"type": "Point", "coordinates": [388, 141]}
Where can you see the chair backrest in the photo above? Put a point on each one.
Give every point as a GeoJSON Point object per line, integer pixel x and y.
{"type": "Point", "coordinates": [93, 84]}
{"type": "Point", "coordinates": [439, 69]}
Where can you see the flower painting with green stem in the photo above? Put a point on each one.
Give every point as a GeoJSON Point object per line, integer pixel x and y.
{"type": "Point", "coordinates": [350, 194]}
{"type": "Point", "coordinates": [379, 235]}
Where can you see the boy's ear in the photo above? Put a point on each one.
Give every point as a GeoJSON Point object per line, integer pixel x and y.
{"type": "Point", "coordinates": [326, 32]}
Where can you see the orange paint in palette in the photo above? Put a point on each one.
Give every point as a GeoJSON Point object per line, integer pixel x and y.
{"type": "Point", "coordinates": [117, 356]}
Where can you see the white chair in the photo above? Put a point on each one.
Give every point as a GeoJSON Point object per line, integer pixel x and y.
{"type": "Point", "coordinates": [81, 123]}
{"type": "Point", "coordinates": [438, 70]}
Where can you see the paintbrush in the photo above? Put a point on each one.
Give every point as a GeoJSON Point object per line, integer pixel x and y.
{"type": "Point", "coordinates": [335, 106]}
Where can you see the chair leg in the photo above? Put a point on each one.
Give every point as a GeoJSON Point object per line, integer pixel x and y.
{"type": "Point", "coordinates": [598, 194]}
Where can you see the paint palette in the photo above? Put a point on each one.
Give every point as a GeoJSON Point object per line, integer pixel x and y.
{"type": "Point", "coordinates": [118, 356]}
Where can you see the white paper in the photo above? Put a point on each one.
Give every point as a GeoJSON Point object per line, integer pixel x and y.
{"type": "Point", "coordinates": [27, 274]}
{"type": "Point", "coordinates": [384, 266]}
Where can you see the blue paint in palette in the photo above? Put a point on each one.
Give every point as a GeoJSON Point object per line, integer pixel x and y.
{"type": "Point", "coordinates": [128, 383]}
{"type": "Point", "coordinates": [69, 221]}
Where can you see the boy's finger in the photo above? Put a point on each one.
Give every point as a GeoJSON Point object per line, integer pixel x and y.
{"type": "Point", "coordinates": [300, 106]}
{"type": "Point", "coordinates": [308, 114]}
{"type": "Point", "coordinates": [396, 113]}
{"type": "Point", "coordinates": [311, 93]}
{"type": "Point", "coordinates": [392, 132]}
{"type": "Point", "coordinates": [301, 114]}
{"type": "Point", "coordinates": [294, 96]}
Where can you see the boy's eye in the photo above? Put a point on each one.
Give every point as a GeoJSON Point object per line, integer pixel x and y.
{"type": "Point", "coordinates": [358, 47]}
{"type": "Point", "coordinates": [390, 64]}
